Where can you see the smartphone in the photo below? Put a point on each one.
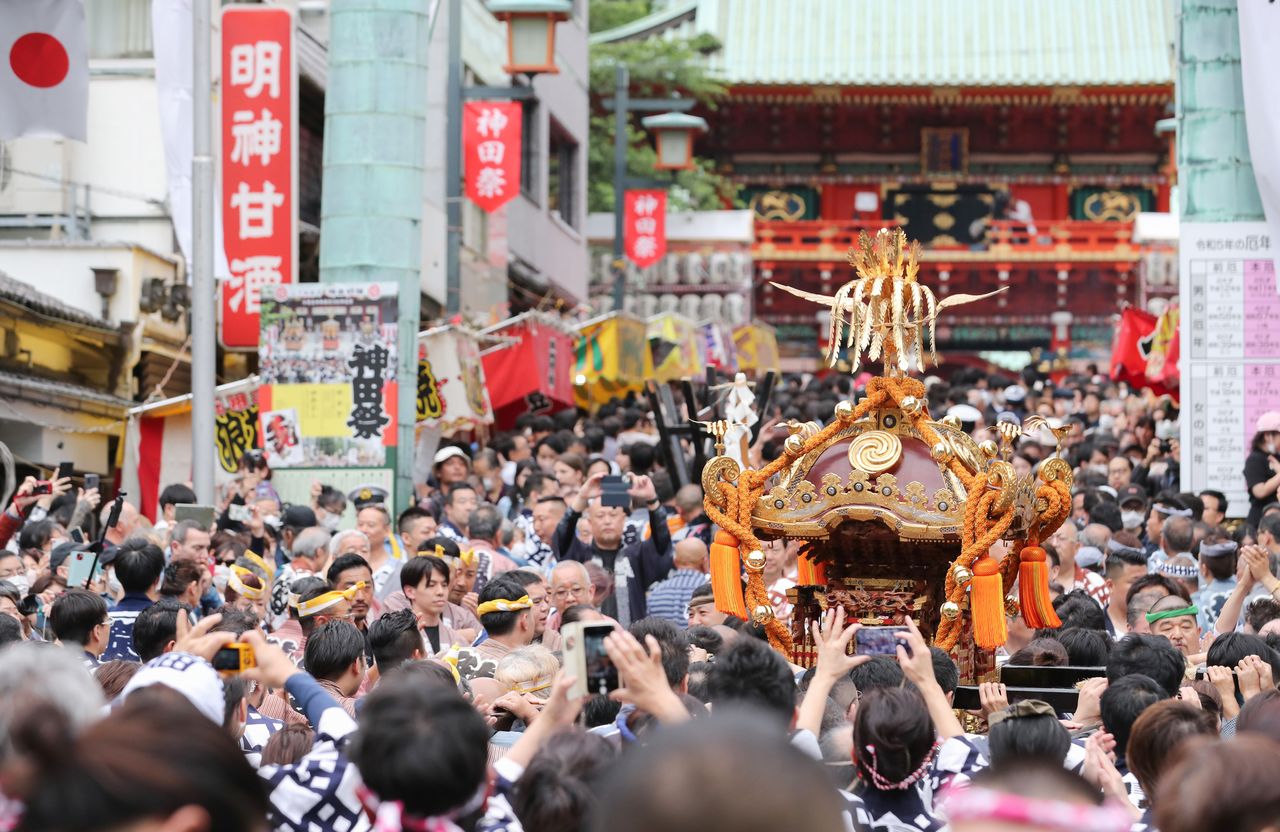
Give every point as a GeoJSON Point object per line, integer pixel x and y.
{"type": "Point", "coordinates": [42, 487]}
{"type": "Point", "coordinates": [82, 568]}
{"type": "Point", "coordinates": [65, 470]}
{"type": "Point", "coordinates": [236, 657]}
{"type": "Point", "coordinates": [203, 515]}
{"type": "Point", "coordinates": [77, 535]}
{"type": "Point", "coordinates": [879, 641]}
{"type": "Point", "coordinates": [91, 481]}
{"type": "Point", "coordinates": [614, 492]}
{"type": "Point", "coordinates": [586, 659]}
{"type": "Point", "coordinates": [238, 512]}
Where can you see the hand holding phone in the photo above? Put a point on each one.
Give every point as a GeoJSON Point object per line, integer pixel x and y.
{"type": "Point", "coordinates": [587, 660]}
{"type": "Point", "coordinates": [878, 641]}
{"type": "Point", "coordinates": [83, 568]}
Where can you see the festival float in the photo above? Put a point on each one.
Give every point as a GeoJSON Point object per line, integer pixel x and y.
{"type": "Point", "coordinates": [899, 512]}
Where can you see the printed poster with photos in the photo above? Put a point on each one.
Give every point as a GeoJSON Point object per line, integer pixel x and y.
{"type": "Point", "coordinates": [328, 359]}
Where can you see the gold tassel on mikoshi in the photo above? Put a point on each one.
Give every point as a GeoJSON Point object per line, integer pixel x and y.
{"type": "Point", "coordinates": [1033, 589]}
{"type": "Point", "coordinates": [726, 576]}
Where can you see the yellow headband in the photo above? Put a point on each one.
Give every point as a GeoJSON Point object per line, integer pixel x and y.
{"type": "Point", "coordinates": [257, 560]}
{"type": "Point", "coordinates": [234, 580]}
{"type": "Point", "coordinates": [503, 605]}
{"type": "Point", "coordinates": [450, 659]}
{"type": "Point", "coordinates": [467, 557]}
{"type": "Point", "coordinates": [532, 688]}
{"type": "Point", "coordinates": [322, 602]}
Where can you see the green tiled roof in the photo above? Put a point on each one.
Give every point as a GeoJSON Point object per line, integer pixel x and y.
{"type": "Point", "coordinates": [926, 42]}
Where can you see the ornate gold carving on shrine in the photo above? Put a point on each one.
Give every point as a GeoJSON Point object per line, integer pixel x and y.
{"type": "Point", "coordinates": [1111, 206]}
{"type": "Point", "coordinates": [875, 451]}
{"type": "Point", "coordinates": [778, 205]}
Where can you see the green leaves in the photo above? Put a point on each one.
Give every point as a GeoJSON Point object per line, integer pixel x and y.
{"type": "Point", "coordinates": [659, 68]}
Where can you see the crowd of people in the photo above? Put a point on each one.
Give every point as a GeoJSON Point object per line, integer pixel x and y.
{"type": "Point", "coordinates": [407, 672]}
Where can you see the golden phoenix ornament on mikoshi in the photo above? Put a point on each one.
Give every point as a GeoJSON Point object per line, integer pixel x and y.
{"type": "Point", "coordinates": [886, 309]}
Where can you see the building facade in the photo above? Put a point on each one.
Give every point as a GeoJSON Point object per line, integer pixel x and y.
{"type": "Point", "coordinates": [1017, 141]}
{"type": "Point", "coordinates": [87, 224]}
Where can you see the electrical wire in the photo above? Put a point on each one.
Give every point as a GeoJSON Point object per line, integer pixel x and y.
{"type": "Point", "coordinates": [102, 189]}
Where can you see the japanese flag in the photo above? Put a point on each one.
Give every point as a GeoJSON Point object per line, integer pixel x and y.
{"type": "Point", "coordinates": [44, 69]}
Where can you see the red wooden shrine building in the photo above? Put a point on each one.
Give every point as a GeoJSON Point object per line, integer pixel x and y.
{"type": "Point", "coordinates": [1016, 140]}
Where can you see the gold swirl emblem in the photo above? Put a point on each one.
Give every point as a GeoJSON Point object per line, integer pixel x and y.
{"type": "Point", "coordinates": [875, 451]}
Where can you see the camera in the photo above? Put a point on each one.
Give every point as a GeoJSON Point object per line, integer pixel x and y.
{"type": "Point", "coordinates": [236, 657]}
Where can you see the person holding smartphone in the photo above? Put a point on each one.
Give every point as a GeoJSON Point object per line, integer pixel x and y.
{"type": "Point", "coordinates": [633, 567]}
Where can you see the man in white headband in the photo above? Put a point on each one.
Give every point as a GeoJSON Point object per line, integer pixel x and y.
{"type": "Point", "coordinates": [1217, 578]}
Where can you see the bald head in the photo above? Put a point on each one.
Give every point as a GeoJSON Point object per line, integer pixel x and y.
{"type": "Point", "coordinates": [691, 553]}
{"type": "Point", "coordinates": [689, 500]}
{"type": "Point", "coordinates": [570, 584]}
{"type": "Point", "coordinates": [1096, 534]}
{"type": "Point", "coordinates": [1178, 534]}
{"type": "Point", "coordinates": [567, 570]}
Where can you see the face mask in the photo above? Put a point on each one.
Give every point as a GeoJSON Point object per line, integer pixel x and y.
{"type": "Point", "coordinates": [22, 583]}
{"type": "Point", "coordinates": [1131, 519]}
{"type": "Point", "coordinates": [1270, 447]}
{"type": "Point", "coordinates": [114, 587]}
{"type": "Point", "coordinates": [1098, 469]}
{"type": "Point", "coordinates": [331, 522]}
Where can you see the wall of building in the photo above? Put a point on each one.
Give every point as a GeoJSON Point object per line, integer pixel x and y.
{"type": "Point", "coordinates": [542, 242]}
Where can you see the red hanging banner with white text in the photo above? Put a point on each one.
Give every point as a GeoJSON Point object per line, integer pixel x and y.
{"type": "Point", "coordinates": [644, 234]}
{"type": "Point", "coordinates": [491, 134]}
{"type": "Point", "coordinates": [259, 163]}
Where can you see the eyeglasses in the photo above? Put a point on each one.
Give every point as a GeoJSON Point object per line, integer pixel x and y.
{"type": "Point", "coordinates": [566, 593]}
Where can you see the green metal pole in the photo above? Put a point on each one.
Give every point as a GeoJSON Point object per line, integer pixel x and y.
{"type": "Point", "coordinates": [1215, 171]}
{"type": "Point", "coordinates": [374, 137]}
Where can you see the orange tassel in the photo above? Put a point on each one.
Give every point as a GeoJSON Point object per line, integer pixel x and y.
{"type": "Point", "coordinates": [726, 575]}
{"type": "Point", "coordinates": [1033, 589]}
{"type": "Point", "coordinates": [809, 573]}
{"type": "Point", "coordinates": [986, 602]}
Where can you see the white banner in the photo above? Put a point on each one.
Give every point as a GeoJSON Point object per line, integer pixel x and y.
{"type": "Point", "coordinates": [1260, 67]}
{"type": "Point", "coordinates": [172, 36]}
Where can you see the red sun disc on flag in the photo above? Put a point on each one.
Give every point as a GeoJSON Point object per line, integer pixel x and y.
{"type": "Point", "coordinates": [39, 59]}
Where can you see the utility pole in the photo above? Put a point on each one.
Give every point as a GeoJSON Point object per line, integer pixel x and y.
{"type": "Point", "coordinates": [371, 213]}
{"type": "Point", "coordinates": [453, 166]}
{"type": "Point", "coordinates": [623, 106]}
{"type": "Point", "coordinates": [204, 306]}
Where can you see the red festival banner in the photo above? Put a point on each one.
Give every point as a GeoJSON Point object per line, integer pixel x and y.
{"type": "Point", "coordinates": [491, 152]}
{"type": "Point", "coordinates": [1145, 351]}
{"type": "Point", "coordinates": [644, 232]}
{"type": "Point", "coordinates": [259, 163]}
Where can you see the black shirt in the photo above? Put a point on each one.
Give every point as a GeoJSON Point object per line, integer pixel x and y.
{"type": "Point", "coordinates": [1257, 469]}
{"type": "Point", "coordinates": [433, 636]}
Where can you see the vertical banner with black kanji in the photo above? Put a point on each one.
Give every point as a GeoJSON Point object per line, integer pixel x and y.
{"type": "Point", "coordinates": [328, 359]}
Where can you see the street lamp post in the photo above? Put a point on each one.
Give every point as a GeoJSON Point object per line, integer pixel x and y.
{"type": "Point", "coordinates": [675, 152]}
{"type": "Point", "coordinates": [531, 38]}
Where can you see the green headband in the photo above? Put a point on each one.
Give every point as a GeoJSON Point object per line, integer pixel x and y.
{"type": "Point", "coordinates": [1153, 617]}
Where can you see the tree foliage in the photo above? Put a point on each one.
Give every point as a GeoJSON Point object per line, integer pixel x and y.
{"type": "Point", "coordinates": [658, 68]}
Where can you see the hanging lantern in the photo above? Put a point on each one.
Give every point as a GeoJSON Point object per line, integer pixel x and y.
{"type": "Point", "coordinates": [674, 133]}
{"type": "Point", "coordinates": [531, 33]}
